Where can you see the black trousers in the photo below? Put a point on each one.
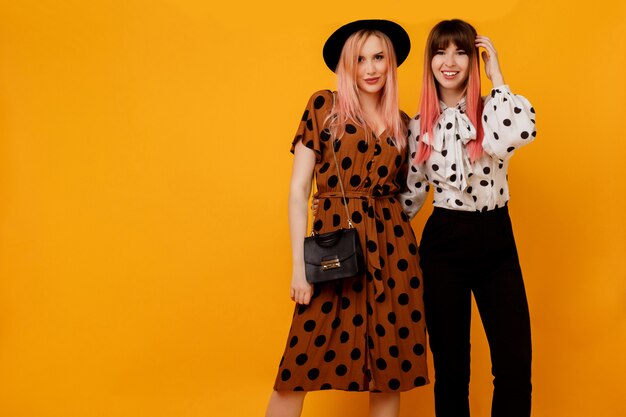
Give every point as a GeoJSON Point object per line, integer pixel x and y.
{"type": "Point", "coordinates": [463, 253]}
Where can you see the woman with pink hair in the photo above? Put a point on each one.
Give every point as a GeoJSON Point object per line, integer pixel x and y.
{"type": "Point", "coordinates": [461, 145]}
{"type": "Point", "coordinates": [364, 333]}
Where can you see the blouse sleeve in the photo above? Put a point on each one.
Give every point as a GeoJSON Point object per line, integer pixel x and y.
{"type": "Point", "coordinates": [508, 123]}
{"type": "Point", "coordinates": [414, 193]}
{"type": "Point", "coordinates": [311, 129]}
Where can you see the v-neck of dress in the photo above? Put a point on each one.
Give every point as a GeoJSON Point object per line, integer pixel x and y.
{"type": "Point", "coordinates": [377, 136]}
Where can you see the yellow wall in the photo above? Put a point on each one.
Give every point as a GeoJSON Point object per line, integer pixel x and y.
{"type": "Point", "coordinates": [144, 166]}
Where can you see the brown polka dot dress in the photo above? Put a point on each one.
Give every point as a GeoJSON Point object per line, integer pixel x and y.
{"type": "Point", "coordinates": [365, 333]}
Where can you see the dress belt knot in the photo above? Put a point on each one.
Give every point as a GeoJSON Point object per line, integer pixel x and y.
{"type": "Point", "coordinates": [372, 246]}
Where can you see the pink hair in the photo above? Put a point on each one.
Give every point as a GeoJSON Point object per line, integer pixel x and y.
{"type": "Point", "coordinates": [347, 109]}
{"type": "Point", "coordinates": [462, 34]}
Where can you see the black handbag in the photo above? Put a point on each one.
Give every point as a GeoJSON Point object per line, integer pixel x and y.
{"type": "Point", "coordinates": [334, 255]}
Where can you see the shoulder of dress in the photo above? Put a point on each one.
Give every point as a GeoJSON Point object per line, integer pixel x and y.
{"type": "Point", "coordinates": [321, 100]}
{"type": "Point", "coordinates": [322, 93]}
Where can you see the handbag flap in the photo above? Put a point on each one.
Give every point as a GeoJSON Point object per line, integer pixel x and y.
{"type": "Point", "coordinates": [341, 244]}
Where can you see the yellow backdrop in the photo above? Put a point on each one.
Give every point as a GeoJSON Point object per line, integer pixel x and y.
{"type": "Point", "coordinates": [144, 168]}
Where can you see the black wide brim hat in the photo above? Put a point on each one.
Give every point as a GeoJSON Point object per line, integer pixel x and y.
{"type": "Point", "coordinates": [396, 33]}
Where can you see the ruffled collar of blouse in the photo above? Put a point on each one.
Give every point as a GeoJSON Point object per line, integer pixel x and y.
{"type": "Point", "coordinates": [452, 133]}
{"type": "Point", "coordinates": [459, 106]}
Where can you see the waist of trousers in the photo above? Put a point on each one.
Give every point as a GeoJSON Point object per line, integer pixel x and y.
{"type": "Point", "coordinates": [500, 211]}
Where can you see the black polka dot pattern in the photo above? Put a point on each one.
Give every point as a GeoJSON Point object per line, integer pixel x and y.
{"type": "Point", "coordinates": [508, 122]}
{"type": "Point", "coordinates": [332, 341]}
{"type": "Point", "coordinates": [301, 359]}
{"type": "Point", "coordinates": [293, 342]}
{"type": "Point", "coordinates": [341, 370]}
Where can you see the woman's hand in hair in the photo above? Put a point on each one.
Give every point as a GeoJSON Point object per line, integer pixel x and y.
{"type": "Point", "coordinates": [490, 57]}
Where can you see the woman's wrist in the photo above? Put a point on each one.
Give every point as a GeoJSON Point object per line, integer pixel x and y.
{"type": "Point", "coordinates": [497, 80]}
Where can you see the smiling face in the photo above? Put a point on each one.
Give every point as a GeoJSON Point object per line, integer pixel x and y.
{"type": "Point", "coordinates": [372, 66]}
{"type": "Point", "coordinates": [450, 68]}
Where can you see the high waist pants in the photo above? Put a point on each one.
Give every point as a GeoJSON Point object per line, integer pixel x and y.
{"type": "Point", "coordinates": [463, 253]}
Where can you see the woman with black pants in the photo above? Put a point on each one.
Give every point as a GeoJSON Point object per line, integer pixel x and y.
{"type": "Point", "coordinates": [461, 145]}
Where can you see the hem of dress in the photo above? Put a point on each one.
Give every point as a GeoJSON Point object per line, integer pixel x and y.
{"type": "Point", "coordinates": [346, 389]}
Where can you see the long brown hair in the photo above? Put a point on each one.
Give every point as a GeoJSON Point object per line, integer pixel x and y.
{"type": "Point", "coordinates": [463, 35]}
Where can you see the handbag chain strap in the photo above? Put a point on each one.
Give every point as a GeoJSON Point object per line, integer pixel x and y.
{"type": "Point", "coordinates": [343, 193]}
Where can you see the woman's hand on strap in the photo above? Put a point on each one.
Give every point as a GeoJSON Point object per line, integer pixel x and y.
{"type": "Point", "coordinates": [490, 58]}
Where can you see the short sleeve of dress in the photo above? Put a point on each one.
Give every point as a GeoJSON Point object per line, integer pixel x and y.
{"type": "Point", "coordinates": [311, 130]}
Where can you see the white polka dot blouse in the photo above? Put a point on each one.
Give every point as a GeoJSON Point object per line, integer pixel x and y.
{"type": "Point", "coordinates": [508, 122]}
